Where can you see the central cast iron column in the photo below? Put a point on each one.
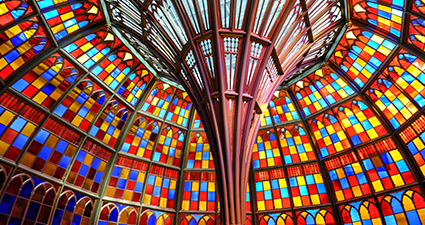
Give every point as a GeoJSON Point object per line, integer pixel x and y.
{"type": "Point", "coordinates": [230, 102]}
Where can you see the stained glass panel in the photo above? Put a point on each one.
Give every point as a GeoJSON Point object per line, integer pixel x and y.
{"type": "Point", "coordinates": [109, 125]}
{"type": "Point", "coordinates": [180, 109]}
{"type": "Point", "coordinates": [74, 207]}
{"type": "Point", "coordinates": [330, 85]}
{"type": "Point", "coordinates": [161, 187]}
{"type": "Point", "coordinates": [329, 134]}
{"type": "Point", "coordinates": [13, 10]}
{"type": "Point", "coordinates": [307, 185]}
{"type": "Point", "coordinates": [141, 138]}
{"type": "Point", "coordinates": [271, 190]}
{"type": "Point", "coordinates": [364, 212]}
{"type": "Point", "coordinates": [385, 165]}
{"type": "Point", "coordinates": [266, 151]}
{"type": "Point", "coordinates": [403, 207]}
{"type": "Point", "coordinates": [396, 107]}
{"type": "Point", "coordinates": [199, 191]}
{"type": "Point", "coordinates": [133, 87]}
{"type": "Point", "coordinates": [68, 19]}
{"type": "Point", "coordinates": [113, 70]}
{"type": "Point", "coordinates": [19, 44]}
{"type": "Point", "coordinates": [388, 18]}
{"type": "Point", "coordinates": [89, 167]}
{"type": "Point", "coordinates": [347, 177]}
{"type": "Point", "coordinates": [407, 72]}
{"type": "Point", "coordinates": [169, 147]}
{"type": "Point", "coordinates": [17, 125]}
{"type": "Point", "coordinates": [52, 149]}
{"type": "Point", "coordinates": [159, 100]}
{"type": "Point", "coordinates": [127, 179]}
{"type": "Point", "coordinates": [414, 138]}
{"type": "Point", "coordinates": [82, 104]}
{"type": "Point", "coordinates": [315, 216]}
{"type": "Point", "coordinates": [359, 121]}
{"type": "Point", "coordinates": [309, 97]}
{"type": "Point", "coordinates": [48, 81]}
{"type": "Point", "coordinates": [360, 53]}
{"type": "Point", "coordinates": [281, 107]}
{"type": "Point", "coordinates": [199, 155]}
{"type": "Point", "coordinates": [416, 31]}
{"type": "Point", "coordinates": [90, 49]}
{"type": "Point", "coordinates": [295, 144]}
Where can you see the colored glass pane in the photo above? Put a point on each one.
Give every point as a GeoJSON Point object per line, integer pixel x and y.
{"type": "Point", "coordinates": [13, 10]}
{"type": "Point", "coordinates": [73, 207]}
{"type": "Point", "coordinates": [385, 165]}
{"type": "Point", "coordinates": [329, 135]}
{"type": "Point", "coordinates": [266, 150]}
{"type": "Point", "coordinates": [114, 69]}
{"type": "Point", "coordinates": [159, 99]}
{"type": "Point", "coordinates": [109, 125]}
{"type": "Point", "coordinates": [403, 207]}
{"type": "Point", "coordinates": [65, 20]}
{"type": "Point", "coordinates": [169, 147]}
{"type": "Point", "coordinates": [89, 167]}
{"type": "Point", "coordinates": [388, 18]}
{"type": "Point", "coordinates": [19, 44]}
{"type": "Point", "coordinates": [347, 177]}
{"type": "Point", "coordinates": [309, 97]}
{"type": "Point", "coordinates": [307, 185]}
{"type": "Point", "coordinates": [156, 217]}
{"type": "Point", "coordinates": [248, 199]}
{"type": "Point", "coordinates": [396, 107]}
{"type": "Point", "coordinates": [48, 81]}
{"type": "Point", "coordinates": [271, 190]}
{"type": "Point", "coordinates": [52, 149]}
{"type": "Point", "coordinates": [418, 6]}
{"type": "Point", "coordinates": [16, 125]}
{"type": "Point", "coordinates": [197, 123]}
{"type": "Point", "coordinates": [331, 86]}
{"type": "Point", "coordinates": [82, 104]}
{"type": "Point", "coordinates": [276, 218]}
{"type": "Point", "coordinates": [359, 122]}
{"type": "Point", "coordinates": [27, 200]}
{"type": "Point", "coordinates": [199, 155]}
{"type": "Point", "coordinates": [196, 219]}
{"type": "Point", "coordinates": [180, 109]}
{"type": "Point", "coordinates": [111, 213]}
{"type": "Point", "coordinates": [414, 138]}
{"type": "Point", "coordinates": [90, 49]}
{"type": "Point", "coordinates": [199, 191]}
{"type": "Point", "coordinates": [114, 214]}
{"type": "Point", "coordinates": [315, 216]}
{"type": "Point", "coordinates": [127, 179]}
{"type": "Point", "coordinates": [295, 144]}
{"type": "Point", "coordinates": [161, 187]}
{"type": "Point", "coordinates": [407, 72]}
{"type": "Point", "coordinates": [360, 53]}
{"type": "Point", "coordinates": [362, 212]}
{"type": "Point", "coordinates": [141, 137]}
{"type": "Point", "coordinates": [133, 87]}
{"type": "Point", "coordinates": [416, 35]}
{"type": "Point", "coordinates": [266, 118]}
{"type": "Point", "coordinates": [281, 107]}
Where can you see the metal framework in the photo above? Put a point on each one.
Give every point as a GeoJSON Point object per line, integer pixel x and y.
{"type": "Point", "coordinates": [230, 103]}
{"type": "Point", "coordinates": [230, 114]}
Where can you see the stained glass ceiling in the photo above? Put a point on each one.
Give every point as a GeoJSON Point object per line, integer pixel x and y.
{"type": "Point", "coordinates": [100, 115]}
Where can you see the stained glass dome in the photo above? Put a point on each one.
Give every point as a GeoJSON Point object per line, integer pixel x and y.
{"type": "Point", "coordinates": [153, 111]}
